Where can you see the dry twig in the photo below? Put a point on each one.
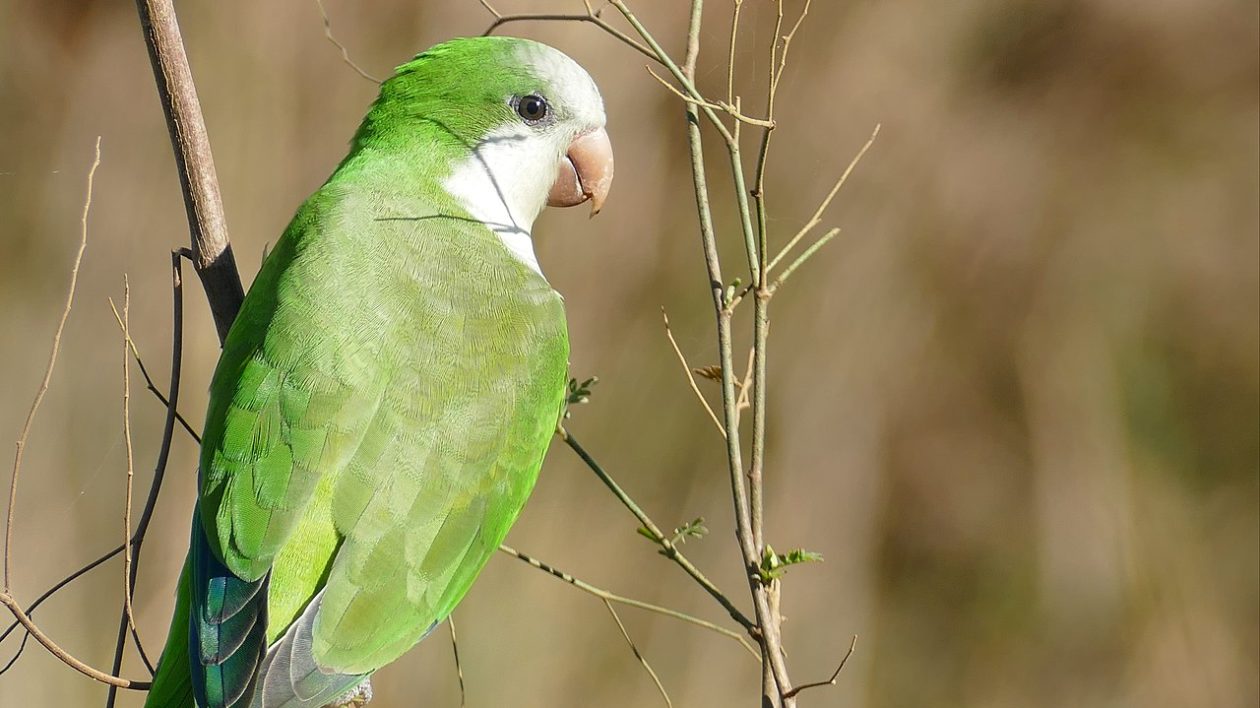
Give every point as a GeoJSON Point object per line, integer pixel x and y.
{"type": "Point", "coordinates": [639, 655]}
{"type": "Point", "coordinates": [345, 53]}
{"type": "Point", "coordinates": [622, 600]}
{"type": "Point", "coordinates": [48, 372]}
{"type": "Point", "coordinates": [691, 378]}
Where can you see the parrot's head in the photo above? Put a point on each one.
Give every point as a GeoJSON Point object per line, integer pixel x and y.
{"type": "Point", "coordinates": [520, 124]}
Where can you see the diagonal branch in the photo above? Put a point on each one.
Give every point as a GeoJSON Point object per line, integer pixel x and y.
{"type": "Point", "coordinates": [622, 600]}
{"type": "Point", "coordinates": [211, 250]}
{"type": "Point", "coordinates": [7, 600]}
{"type": "Point", "coordinates": [668, 548]}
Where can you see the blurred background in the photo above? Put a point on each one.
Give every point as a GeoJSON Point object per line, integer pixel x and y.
{"type": "Point", "coordinates": [1015, 405]}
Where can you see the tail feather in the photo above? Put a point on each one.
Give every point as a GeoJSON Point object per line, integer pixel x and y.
{"type": "Point", "coordinates": [291, 678]}
{"type": "Point", "coordinates": [227, 629]}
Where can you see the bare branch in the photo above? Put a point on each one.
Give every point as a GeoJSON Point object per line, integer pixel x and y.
{"type": "Point", "coordinates": [639, 655]}
{"type": "Point", "coordinates": [805, 256]}
{"type": "Point", "coordinates": [48, 371]}
{"type": "Point", "coordinates": [7, 600]}
{"type": "Point", "coordinates": [30, 610]}
{"type": "Point", "coordinates": [148, 380]}
{"type": "Point", "coordinates": [345, 54]}
{"type": "Point", "coordinates": [730, 60]}
{"type": "Point", "coordinates": [591, 17]}
{"type": "Point", "coordinates": [728, 108]}
{"type": "Point", "coordinates": [459, 669]}
{"type": "Point", "coordinates": [668, 548]}
{"type": "Point", "coordinates": [691, 378]}
{"type": "Point", "coordinates": [495, 12]}
{"type": "Point", "coordinates": [826, 202]}
{"type": "Point", "coordinates": [159, 468]}
{"type": "Point", "coordinates": [622, 600]}
{"type": "Point", "coordinates": [128, 612]}
{"type": "Point", "coordinates": [211, 249]}
{"type": "Point", "coordinates": [834, 675]}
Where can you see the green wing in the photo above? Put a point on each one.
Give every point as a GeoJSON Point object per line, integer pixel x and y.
{"type": "Point", "coordinates": [378, 417]}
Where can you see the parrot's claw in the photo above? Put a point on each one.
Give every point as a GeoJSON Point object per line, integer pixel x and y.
{"type": "Point", "coordinates": [356, 697]}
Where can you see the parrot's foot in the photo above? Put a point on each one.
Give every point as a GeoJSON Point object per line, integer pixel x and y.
{"type": "Point", "coordinates": [356, 697]}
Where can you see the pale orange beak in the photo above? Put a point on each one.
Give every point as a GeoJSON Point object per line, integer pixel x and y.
{"type": "Point", "coordinates": [586, 172]}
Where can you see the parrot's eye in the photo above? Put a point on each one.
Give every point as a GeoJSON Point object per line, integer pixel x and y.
{"type": "Point", "coordinates": [532, 108]}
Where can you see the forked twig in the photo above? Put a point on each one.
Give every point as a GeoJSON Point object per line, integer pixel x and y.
{"type": "Point", "coordinates": [622, 600]}
{"type": "Point", "coordinates": [7, 600]}
{"type": "Point", "coordinates": [6, 596]}
{"type": "Point", "coordinates": [164, 452]}
{"type": "Point", "coordinates": [668, 548]}
{"type": "Point", "coordinates": [826, 202]}
{"type": "Point", "coordinates": [729, 108]}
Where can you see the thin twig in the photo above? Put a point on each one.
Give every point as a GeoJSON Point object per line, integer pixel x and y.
{"type": "Point", "coordinates": [682, 78]}
{"type": "Point", "coordinates": [345, 54]}
{"type": "Point", "coordinates": [805, 256]}
{"type": "Point", "coordinates": [128, 611]}
{"type": "Point", "coordinates": [48, 371]}
{"type": "Point", "coordinates": [746, 385]}
{"type": "Point", "coordinates": [639, 655]}
{"type": "Point", "coordinates": [730, 60]}
{"type": "Point", "coordinates": [164, 452]}
{"type": "Point", "coordinates": [691, 377]}
{"type": "Point", "coordinates": [148, 380]}
{"type": "Point", "coordinates": [459, 669]}
{"type": "Point", "coordinates": [729, 109]}
{"type": "Point", "coordinates": [627, 601]}
{"type": "Point", "coordinates": [834, 675]}
{"type": "Point", "coordinates": [590, 17]}
{"type": "Point", "coordinates": [817, 217]}
{"type": "Point", "coordinates": [30, 610]}
{"type": "Point", "coordinates": [69, 660]}
{"type": "Point", "coordinates": [668, 548]}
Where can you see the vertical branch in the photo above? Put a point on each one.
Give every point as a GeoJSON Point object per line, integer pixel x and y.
{"type": "Point", "coordinates": [136, 543]}
{"type": "Point", "coordinates": [775, 682]}
{"type": "Point", "coordinates": [211, 250]}
{"type": "Point", "coordinates": [48, 372]}
{"type": "Point", "coordinates": [128, 612]}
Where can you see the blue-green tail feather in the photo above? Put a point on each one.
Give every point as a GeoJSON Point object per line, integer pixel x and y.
{"type": "Point", "coordinates": [227, 629]}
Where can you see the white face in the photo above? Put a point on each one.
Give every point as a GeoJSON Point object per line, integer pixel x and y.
{"type": "Point", "coordinates": [505, 182]}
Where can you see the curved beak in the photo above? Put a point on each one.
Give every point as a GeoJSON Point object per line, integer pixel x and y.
{"type": "Point", "coordinates": [586, 172]}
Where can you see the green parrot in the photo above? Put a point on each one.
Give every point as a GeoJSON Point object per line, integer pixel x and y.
{"type": "Point", "coordinates": [384, 400]}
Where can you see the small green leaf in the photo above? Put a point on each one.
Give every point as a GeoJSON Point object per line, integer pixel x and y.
{"type": "Point", "coordinates": [692, 529]}
{"type": "Point", "coordinates": [774, 565]}
{"type": "Point", "coordinates": [578, 393]}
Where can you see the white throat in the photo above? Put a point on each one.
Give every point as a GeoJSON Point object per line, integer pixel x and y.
{"type": "Point", "coordinates": [504, 185]}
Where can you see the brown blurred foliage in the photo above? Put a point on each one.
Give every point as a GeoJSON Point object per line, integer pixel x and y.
{"type": "Point", "coordinates": [1016, 404]}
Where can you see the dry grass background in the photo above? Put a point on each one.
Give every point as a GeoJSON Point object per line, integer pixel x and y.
{"type": "Point", "coordinates": [1016, 405]}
